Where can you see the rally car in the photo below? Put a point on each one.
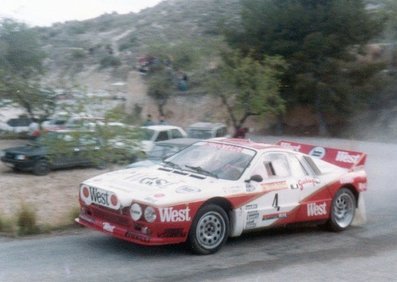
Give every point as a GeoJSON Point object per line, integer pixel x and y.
{"type": "Point", "coordinates": [220, 188]}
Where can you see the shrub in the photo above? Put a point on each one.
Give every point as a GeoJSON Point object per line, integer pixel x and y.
{"type": "Point", "coordinates": [26, 221]}
{"type": "Point", "coordinates": [110, 61]}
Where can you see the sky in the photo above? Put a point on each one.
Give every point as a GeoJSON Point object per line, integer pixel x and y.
{"type": "Point", "coordinates": [47, 12]}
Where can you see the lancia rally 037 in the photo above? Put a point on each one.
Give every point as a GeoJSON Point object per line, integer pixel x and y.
{"type": "Point", "coordinates": [220, 188]}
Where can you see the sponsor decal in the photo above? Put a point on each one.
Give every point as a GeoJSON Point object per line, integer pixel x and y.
{"type": "Point", "coordinates": [314, 209]}
{"type": "Point", "coordinates": [99, 196]}
{"type": "Point", "coordinates": [250, 225]}
{"type": "Point", "coordinates": [274, 216]}
{"type": "Point", "coordinates": [135, 236]}
{"type": "Point", "coordinates": [225, 147]}
{"type": "Point", "coordinates": [251, 207]}
{"type": "Point", "coordinates": [159, 195]}
{"type": "Point", "coordinates": [305, 181]}
{"type": "Point", "coordinates": [273, 186]}
{"type": "Point", "coordinates": [108, 227]}
{"type": "Point", "coordinates": [318, 152]}
{"type": "Point", "coordinates": [251, 216]}
{"type": "Point", "coordinates": [187, 189]}
{"type": "Point", "coordinates": [345, 157]}
{"type": "Point", "coordinates": [249, 187]}
{"type": "Point", "coordinates": [155, 181]}
{"type": "Point", "coordinates": [290, 146]}
{"type": "Point", "coordinates": [174, 215]}
{"type": "Point", "coordinates": [172, 233]}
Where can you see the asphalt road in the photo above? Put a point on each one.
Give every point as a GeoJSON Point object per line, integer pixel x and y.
{"type": "Point", "coordinates": [362, 253]}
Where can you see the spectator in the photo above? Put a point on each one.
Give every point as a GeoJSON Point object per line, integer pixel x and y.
{"type": "Point", "coordinates": [240, 132]}
{"type": "Point", "coordinates": [148, 120]}
{"type": "Point", "coordinates": [162, 120]}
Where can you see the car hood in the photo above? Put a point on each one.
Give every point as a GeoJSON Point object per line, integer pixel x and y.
{"type": "Point", "coordinates": [157, 186]}
{"type": "Point", "coordinates": [26, 150]}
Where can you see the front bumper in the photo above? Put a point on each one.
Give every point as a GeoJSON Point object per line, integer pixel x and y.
{"type": "Point", "coordinates": [22, 164]}
{"type": "Point", "coordinates": [148, 235]}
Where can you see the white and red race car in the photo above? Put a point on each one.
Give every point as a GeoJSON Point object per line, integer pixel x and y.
{"type": "Point", "coordinates": [218, 188]}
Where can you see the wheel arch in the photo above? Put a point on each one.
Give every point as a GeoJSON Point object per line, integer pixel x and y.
{"type": "Point", "coordinates": [353, 190]}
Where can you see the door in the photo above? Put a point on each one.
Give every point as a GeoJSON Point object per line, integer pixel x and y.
{"type": "Point", "coordinates": [279, 190]}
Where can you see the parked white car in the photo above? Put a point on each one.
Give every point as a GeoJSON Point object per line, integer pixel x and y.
{"type": "Point", "coordinates": [154, 133]}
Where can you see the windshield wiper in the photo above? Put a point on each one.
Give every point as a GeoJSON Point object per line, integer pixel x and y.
{"type": "Point", "coordinates": [173, 165]}
{"type": "Point", "coordinates": [201, 170]}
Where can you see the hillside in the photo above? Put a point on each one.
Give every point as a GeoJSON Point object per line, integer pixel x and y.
{"type": "Point", "coordinates": [100, 55]}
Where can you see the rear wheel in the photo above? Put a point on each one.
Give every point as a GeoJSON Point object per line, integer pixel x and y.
{"type": "Point", "coordinates": [41, 167]}
{"type": "Point", "coordinates": [209, 230]}
{"type": "Point", "coordinates": [342, 210]}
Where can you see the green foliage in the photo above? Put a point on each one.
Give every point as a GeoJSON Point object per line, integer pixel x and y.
{"type": "Point", "coordinates": [6, 225]}
{"type": "Point", "coordinates": [110, 61]}
{"type": "Point", "coordinates": [78, 54]}
{"type": "Point", "coordinates": [26, 221]}
{"type": "Point", "coordinates": [21, 60]}
{"type": "Point", "coordinates": [248, 87]}
{"type": "Point", "coordinates": [317, 40]}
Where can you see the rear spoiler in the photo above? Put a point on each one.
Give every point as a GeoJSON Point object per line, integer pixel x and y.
{"type": "Point", "coordinates": [342, 158]}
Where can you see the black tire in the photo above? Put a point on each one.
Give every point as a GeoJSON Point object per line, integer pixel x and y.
{"type": "Point", "coordinates": [209, 230]}
{"type": "Point", "coordinates": [342, 210]}
{"type": "Point", "coordinates": [41, 167]}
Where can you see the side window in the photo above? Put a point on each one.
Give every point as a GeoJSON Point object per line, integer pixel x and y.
{"type": "Point", "coordinates": [277, 165]}
{"type": "Point", "coordinates": [163, 135]}
{"type": "Point", "coordinates": [175, 133]}
{"type": "Point", "coordinates": [296, 167]}
{"type": "Point", "coordinates": [221, 132]}
{"type": "Point", "coordinates": [273, 165]}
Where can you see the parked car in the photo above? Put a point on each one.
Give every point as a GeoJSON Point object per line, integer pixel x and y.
{"type": "Point", "coordinates": [206, 130]}
{"type": "Point", "coordinates": [20, 125]}
{"type": "Point", "coordinates": [154, 133]}
{"type": "Point", "coordinates": [162, 150]}
{"type": "Point", "coordinates": [220, 188]}
{"type": "Point", "coordinates": [54, 150]}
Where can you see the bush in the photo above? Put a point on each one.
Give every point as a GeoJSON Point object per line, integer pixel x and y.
{"type": "Point", "coordinates": [26, 221]}
{"type": "Point", "coordinates": [110, 61]}
{"type": "Point", "coordinates": [6, 225]}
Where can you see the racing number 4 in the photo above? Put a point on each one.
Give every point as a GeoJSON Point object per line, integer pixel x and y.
{"type": "Point", "coordinates": [275, 202]}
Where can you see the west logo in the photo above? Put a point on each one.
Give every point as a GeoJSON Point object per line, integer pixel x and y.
{"type": "Point", "coordinates": [99, 197]}
{"type": "Point", "coordinates": [345, 157]}
{"type": "Point", "coordinates": [315, 209]}
{"type": "Point", "coordinates": [173, 215]}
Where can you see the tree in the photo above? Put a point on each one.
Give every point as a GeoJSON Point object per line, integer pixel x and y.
{"type": "Point", "coordinates": [248, 87]}
{"type": "Point", "coordinates": [318, 39]}
{"type": "Point", "coordinates": [21, 66]}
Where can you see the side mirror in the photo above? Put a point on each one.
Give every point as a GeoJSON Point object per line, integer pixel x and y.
{"type": "Point", "coordinates": [256, 178]}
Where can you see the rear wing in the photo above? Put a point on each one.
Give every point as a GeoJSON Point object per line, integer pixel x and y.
{"type": "Point", "coordinates": [342, 158]}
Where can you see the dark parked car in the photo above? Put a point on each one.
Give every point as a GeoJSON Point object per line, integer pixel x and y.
{"type": "Point", "coordinates": [54, 150]}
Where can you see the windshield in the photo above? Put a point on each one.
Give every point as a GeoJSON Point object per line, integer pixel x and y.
{"type": "Point", "coordinates": [200, 133]}
{"type": "Point", "coordinates": [214, 159]}
{"type": "Point", "coordinates": [147, 133]}
{"type": "Point", "coordinates": [161, 151]}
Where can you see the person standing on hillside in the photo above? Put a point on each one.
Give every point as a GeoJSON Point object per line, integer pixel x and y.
{"type": "Point", "coordinates": [148, 120]}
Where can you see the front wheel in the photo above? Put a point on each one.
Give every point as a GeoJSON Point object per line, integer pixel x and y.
{"type": "Point", "coordinates": [209, 231]}
{"type": "Point", "coordinates": [342, 210]}
{"type": "Point", "coordinates": [41, 167]}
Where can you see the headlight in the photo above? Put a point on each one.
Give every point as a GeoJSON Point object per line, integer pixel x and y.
{"type": "Point", "coordinates": [150, 214]}
{"type": "Point", "coordinates": [136, 212]}
{"type": "Point", "coordinates": [20, 157]}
